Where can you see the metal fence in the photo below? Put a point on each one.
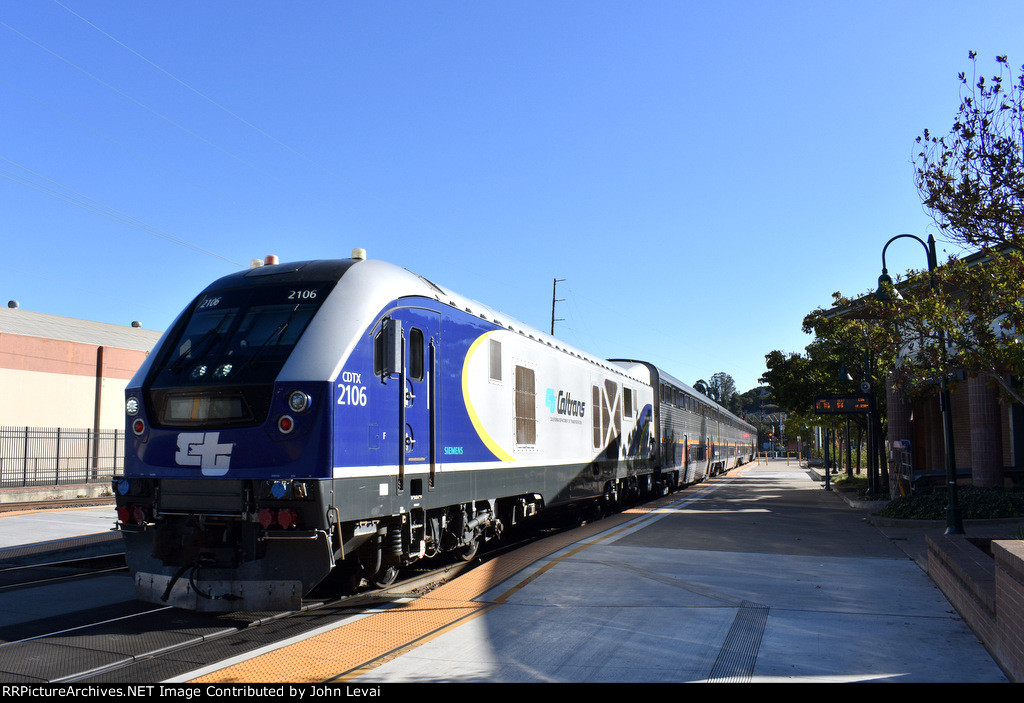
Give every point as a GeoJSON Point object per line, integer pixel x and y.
{"type": "Point", "coordinates": [52, 456]}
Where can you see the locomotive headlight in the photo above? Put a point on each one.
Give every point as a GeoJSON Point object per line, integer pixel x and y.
{"type": "Point", "coordinates": [131, 406]}
{"type": "Point", "coordinates": [298, 401]}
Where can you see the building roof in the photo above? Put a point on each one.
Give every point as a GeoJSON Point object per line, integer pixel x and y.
{"type": "Point", "coordinates": [38, 324]}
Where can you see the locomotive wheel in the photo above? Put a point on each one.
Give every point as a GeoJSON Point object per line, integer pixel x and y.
{"type": "Point", "coordinates": [666, 486]}
{"type": "Point", "coordinates": [611, 498]}
{"type": "Point", "coordinates": [349, 580]}
{"type": "Point", "coordinates": [344, 580]}
{"type": "Point", "coordinates": [468, 552]}
{"type": "Point", "coordinates": [385, 577]}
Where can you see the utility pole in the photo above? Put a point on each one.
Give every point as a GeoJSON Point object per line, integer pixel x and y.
{"type": "Point", "coordinates": [554, 288]}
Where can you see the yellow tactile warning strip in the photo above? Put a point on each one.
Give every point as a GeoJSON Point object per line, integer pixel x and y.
{"type": "Point", "coordinates": [354, 648]}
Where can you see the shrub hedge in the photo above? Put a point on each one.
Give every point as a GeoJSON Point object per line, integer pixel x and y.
{"type": "Point", "coordinates": [975, 503]}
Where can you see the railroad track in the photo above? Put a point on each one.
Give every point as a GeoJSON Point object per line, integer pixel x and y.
{"type": "Point", "coordinates": [132, 642]}
{"type": "Point", "coordinates": [57, 503]}
{"type": "Point", "coordinates": [126, 641]}
{"type": "Point", "coordinates": [57, 570]}
{"type": "Point", "coordinates": [137, 642]}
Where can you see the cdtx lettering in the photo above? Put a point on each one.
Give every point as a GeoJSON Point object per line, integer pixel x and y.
{"type": "Point", "coordinates": [564, 404]}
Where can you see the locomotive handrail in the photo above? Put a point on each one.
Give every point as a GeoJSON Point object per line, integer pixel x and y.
{"type": "Point", "coordinates": [309, 535]}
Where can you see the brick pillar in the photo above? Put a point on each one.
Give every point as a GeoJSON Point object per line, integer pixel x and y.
{"type": "Point", "coordinates": [898, 410]}
{"type": "Point", "coordinates": [931, 423]}
{"type": "Point", "coordinates": [986, 433]}
{"type": "Point", "coordinates": [960, 399]}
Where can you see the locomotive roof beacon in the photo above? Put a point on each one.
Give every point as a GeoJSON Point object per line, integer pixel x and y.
{"type": "Point", "coordinates": [332, 421]}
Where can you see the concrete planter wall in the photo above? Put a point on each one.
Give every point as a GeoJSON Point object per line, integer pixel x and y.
{"type": "Point", "coordinates": [987, 590]}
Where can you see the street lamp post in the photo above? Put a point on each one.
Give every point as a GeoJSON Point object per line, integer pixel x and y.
{"type": "Point", "coordinates": [954, 521]}
{"type": "Point", "coordinates": [828, 468]}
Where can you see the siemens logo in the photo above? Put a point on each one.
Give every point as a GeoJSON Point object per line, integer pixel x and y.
{"type": "Point", "coordinates": [452, 450]}
{"type": "Point", "coordinates": [564, 404]}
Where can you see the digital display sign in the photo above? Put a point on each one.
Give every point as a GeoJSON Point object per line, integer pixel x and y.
{"type": "Point", "coordinates": [844, 404]}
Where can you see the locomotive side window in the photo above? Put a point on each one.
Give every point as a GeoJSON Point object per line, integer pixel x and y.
{"type": "Point", "coordinates": [378, 353]}
{"type": "Point", "coordinates": [416, 354]}
{"type": "Point", "coordinates": [526, 406]}
{"type": "Point", "coordinates": [495, 360]}
{"type": "Point", "coordinates": [387, 348]}
{"type": "Point", "coordinates": [627, 402]}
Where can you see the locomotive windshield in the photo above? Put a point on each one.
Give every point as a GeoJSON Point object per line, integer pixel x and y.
{"type": "Point", "coordinates": [231, 339]}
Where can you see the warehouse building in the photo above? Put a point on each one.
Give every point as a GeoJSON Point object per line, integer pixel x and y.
{"type": "Point", "coordinates": [62, 372]}
{"type": "Point", "coordinates": [62, 384]}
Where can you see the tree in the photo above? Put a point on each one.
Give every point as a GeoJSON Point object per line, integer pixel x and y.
{"type": "Point", "coordinates": [723, 388]}
{"type": "Point", "coordinates": [966, 320]}
{"type": "Point", "coordinates": [841, 356]}
{"type": "Point", "coordinates": [972, 180]}
{"type": "Point", "coordinates": [963, 316]}
{"type": "Point", "coordinates": [753, 401]}
{"type": "Point", "coordinates": [837, 351]}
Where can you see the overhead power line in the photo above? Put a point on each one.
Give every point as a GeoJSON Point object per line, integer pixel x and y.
{"type": "Point", "coordinates": [60, 192]}
{"type": "Point", "coordinates": [165, 118]}
{"type": "Point", "coordinates": [238, 117]}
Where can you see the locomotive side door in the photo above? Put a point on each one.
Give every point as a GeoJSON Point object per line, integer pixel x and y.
{"type": "Point", "coordinates": [418, 401]}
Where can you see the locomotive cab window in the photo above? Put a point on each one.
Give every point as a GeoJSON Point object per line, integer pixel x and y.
{"type": "Point", "coordinates": [238, 334]}
{"type": "Point", "coordinates": [219, 362]}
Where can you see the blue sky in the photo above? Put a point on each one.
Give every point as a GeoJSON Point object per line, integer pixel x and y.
{"type": "Point", "coordinates": [702, 175]}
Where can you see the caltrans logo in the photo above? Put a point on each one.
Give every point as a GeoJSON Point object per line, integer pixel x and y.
{"type": "Point", "coordinates": [562, 403]}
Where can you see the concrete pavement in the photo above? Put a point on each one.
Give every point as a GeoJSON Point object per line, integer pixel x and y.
{"type": "Point", "coordinates": [758, 576]}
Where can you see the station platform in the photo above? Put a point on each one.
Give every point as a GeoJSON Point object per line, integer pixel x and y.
{"type": "Point", "coordinates": [759, 575]}
{"type": "Point", "coordinates": [755, 576]}
{"type": "Point", "coordinates": [33, 535]}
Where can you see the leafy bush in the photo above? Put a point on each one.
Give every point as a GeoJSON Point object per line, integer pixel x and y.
{"type": "Point", "coordinates": [975, 503]}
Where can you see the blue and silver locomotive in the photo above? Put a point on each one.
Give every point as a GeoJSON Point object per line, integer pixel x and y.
{"type": "Point", "coordinates": [345, 418]}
